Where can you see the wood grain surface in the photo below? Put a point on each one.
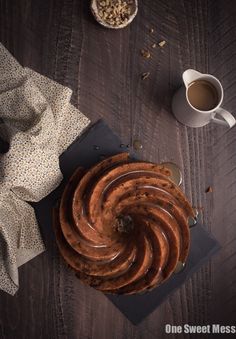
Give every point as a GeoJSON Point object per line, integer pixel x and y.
{"type": "Point", "coordinates": [60, 38]}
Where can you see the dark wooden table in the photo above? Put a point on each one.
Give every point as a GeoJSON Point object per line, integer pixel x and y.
{"type": "Point", "coordinates": [61, 40]}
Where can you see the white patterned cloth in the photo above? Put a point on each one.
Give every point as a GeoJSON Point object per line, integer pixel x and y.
{"type": "Point", "coordinates": [39, 123]}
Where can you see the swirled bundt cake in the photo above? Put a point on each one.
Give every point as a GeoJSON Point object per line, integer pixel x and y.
{"type": "Point", "coordinates": [123, 225]}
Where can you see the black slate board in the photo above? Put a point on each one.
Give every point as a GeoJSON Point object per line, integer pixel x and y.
{"type": "Point", "coordinates": [99, 141]}
{"type": "Point", "coordinates": [138, 307]}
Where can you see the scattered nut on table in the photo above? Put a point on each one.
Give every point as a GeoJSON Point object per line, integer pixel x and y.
{"type": "Point", "coordinates": [145, 53]}
{"type": "Point", "coordinates": [162, 43]}
{"type": "Point", "coordinates": [209, 189]}
{"type": "Point", "coordinates": [145, 75]}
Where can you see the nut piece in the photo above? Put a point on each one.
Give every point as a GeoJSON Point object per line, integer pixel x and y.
{"type": "Point", "coordinates": [145, 75]}
{"type": "Point", "coordinates": [145, 53]}
{"type": "Point", "coordinates": [154, 45]}
{"type": "Point", "coordinates": [123, 224]}
{"type": "Point", "coordinates": [162, 43]}
{"type": "Point", "coordinates": [209, 189]}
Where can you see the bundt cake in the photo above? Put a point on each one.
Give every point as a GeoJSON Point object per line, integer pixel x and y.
{"type": "Point", "coordinates": [123, 225]}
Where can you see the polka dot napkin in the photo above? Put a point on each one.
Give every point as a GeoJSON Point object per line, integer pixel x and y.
{"type": "Point", "coordinates": [39, 123]}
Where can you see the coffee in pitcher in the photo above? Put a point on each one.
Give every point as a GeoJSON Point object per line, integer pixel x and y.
{"type": "Point", "coordinates": [202, 95]}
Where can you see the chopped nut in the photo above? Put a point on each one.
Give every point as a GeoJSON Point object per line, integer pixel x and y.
{"type": "Point", "coordinates": [162, 43]}
{"type": "Point", "coordinates": [115, 12]}
{"type": "Point", "coordinates": [154, 45]}
{"type": "Point", "coordinates": [209, 189]}
{"type": "Point", "coordinates": [145, 53]}
{"type": "Point", "coordinates": [145, 75]}
{"type": "Point", "coordinates": [123, 224]}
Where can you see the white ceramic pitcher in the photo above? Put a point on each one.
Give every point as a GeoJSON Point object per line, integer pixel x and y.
{"type": "Point", "coordinates": [193, 117]}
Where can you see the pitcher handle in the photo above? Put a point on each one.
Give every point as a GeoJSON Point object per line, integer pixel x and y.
{"type": "Point", "coordinates": [228, 121]}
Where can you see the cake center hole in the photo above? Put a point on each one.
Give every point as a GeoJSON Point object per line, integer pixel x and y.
{"type": "Point", "coordinates": [124, 224]}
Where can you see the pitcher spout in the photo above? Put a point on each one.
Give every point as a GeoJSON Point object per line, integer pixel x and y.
{"type": "Point", "coordinates": [190, 75]}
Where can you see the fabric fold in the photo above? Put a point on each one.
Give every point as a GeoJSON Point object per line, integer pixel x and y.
{"type": "Point", "coordinates": [20, 238]}
{"type": "Point", "coordinates": [39, 122]}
